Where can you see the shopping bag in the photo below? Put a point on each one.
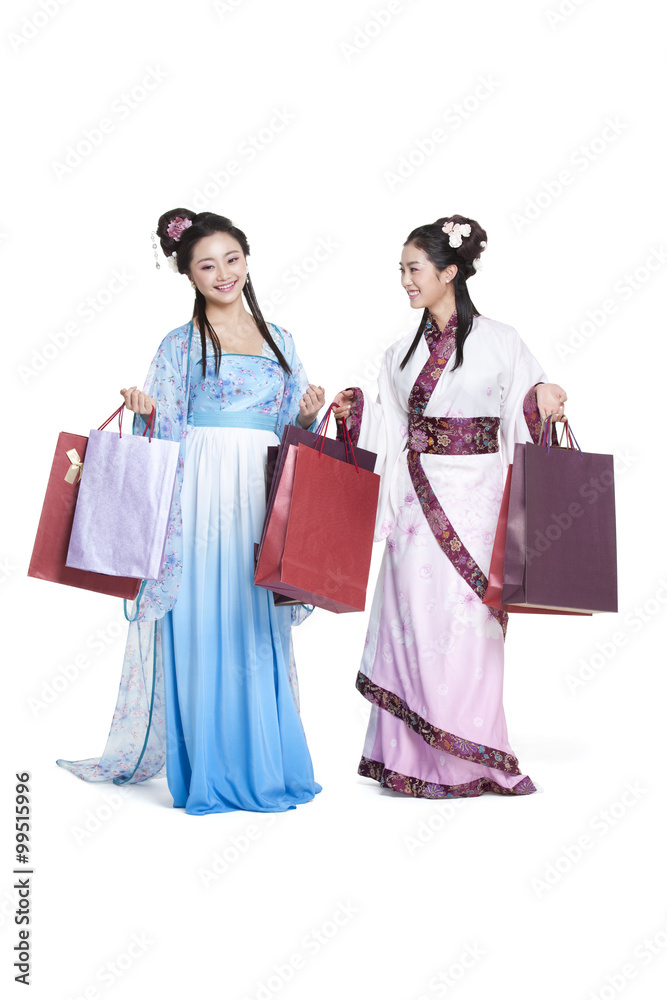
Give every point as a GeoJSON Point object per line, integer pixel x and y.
{"type": "Point", "coordinates": [494, 589]}
{"type": "Point", "coordinates": [122, 511]}
{"type": "Point", "coordinates": [55, 526]}
{"type": "Point", "coordinates": [560, 551]}
{"type": "Point", "coordinates": [294, 435]}
{"type": "Point", "coordinates": [318, 533]}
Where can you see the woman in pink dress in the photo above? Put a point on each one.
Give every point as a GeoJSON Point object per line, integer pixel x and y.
{"type": "Point", "coordinates": [454, 398]}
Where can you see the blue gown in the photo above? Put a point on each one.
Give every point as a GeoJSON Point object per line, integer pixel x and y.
{"type": "Point", "coordinates": [234, 734]}
{"type": "Point", "coordinates": [209, 683]}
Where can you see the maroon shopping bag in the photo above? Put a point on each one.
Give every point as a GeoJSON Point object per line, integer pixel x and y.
{"type": "Point", "coordinates": [55, 527]}
{"type": "Point", "coordinates": [560, 551]}
{"type": "Point", "coordinates": [494, 589]}
{"type": "Point", "coordinates": [318, 532]}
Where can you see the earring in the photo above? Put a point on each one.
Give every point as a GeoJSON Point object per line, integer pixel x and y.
{"type": "Point", "coordinates": [154, 242]}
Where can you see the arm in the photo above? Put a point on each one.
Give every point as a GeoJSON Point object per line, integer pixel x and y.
{"type": "Point", "coordinates": [301, 401]}
{"type": "Point", "coordinates": [521, 397]}
{"type": "Point", "coordinates": [379, 426]}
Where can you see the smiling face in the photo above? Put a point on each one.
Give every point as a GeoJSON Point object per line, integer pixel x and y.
{"type": "Point", "coordinates": [218, 268]}
{"type": "Point", "coordinates": [425, 285]}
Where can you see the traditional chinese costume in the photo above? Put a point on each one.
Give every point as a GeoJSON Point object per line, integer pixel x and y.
{"type": "Point", "coordinates": [432, 666]}
{"type": "Point", "coordinates": [208, 683]}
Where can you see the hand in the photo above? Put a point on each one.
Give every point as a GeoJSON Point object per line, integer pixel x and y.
{"type": "Point", "coordinates": [137, 401]}
{"type": "Point", "coordinates": [344, 403]}
{"type": "Point", "coordinates": [551, 400]}
{"type": "Point", "coordinates": [310, 404]}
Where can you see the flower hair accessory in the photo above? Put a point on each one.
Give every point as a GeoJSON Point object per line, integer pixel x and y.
{"type": "Point", "coordinates": [172, 262]}
{"type": "Point", "coordinates": [177, 227]}
{"type": "Point", "coordinates": [456, 231]}
{"type": "Point", "coordinates": [477, 263]}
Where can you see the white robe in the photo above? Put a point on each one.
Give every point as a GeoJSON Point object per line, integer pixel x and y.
{"type": "Point", "coordinates": [433, 660]}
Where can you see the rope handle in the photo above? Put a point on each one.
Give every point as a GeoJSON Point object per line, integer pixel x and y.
{"type": "Point", "coordinates": [119, 413]}
{"type": "Point", "coordinates": [321, 432]}
{"type": "Point", "coordinates": [544, 440]}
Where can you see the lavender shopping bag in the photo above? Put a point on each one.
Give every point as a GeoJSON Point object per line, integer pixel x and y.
{"type": "Point", "coordinates": [560, 551]}
{"type": "Point", "coordinates": [122, 511]}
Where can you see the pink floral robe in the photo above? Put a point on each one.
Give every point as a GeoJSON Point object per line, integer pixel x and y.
{"type": "Point", "coordinates": [432, 666]}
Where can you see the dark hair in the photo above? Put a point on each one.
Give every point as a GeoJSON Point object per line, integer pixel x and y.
{"type": "Point", "coordinates": [183, 242]}
{"type": "Point", "coordinates": [435, 244]}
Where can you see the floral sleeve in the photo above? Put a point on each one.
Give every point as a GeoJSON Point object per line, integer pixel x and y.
{"type": "Point", "coordinates": [531, 413]}
{"type": "Point", "coordinates": [296, 382]}
{"type": "Point", "coordinates": [355, 417]}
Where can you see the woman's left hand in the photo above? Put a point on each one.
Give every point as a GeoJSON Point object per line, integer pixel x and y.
{"type": "Point", "coordinates": [310, 404]}
{"type": "Point", "coordinates": [551, 400]}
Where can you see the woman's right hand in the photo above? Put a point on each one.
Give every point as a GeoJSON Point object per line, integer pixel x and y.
{"type": "Point", "coordinates": [343, 402]}
{"type": "Point", "coordinates": [137, 401]}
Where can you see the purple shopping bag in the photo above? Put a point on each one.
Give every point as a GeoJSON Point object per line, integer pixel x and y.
{"type": "Point", "coordinates": [122, 511]}
{"type": "Point", "coordinates": [560, 551]}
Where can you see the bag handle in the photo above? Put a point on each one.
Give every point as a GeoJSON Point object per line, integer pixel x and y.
{"type": "Point", "coordinates": [321, 432]}
{"type": "Point", "coordinates": [119, 413]}
{"type": "Point", "coordinates": [544, 439]}
{"type": "Point", "coordinates": [571, 441]}
{"type": "Point", "coordinates": [116, 413]}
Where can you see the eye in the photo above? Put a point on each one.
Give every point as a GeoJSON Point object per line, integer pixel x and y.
{"type": "Point", "coordinates": [207, 267]}
{"type": "Point", "coordinates": [232, 260]}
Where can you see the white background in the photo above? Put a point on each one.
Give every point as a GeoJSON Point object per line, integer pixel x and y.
{"type": "Point", "coordinates": [414, 884]}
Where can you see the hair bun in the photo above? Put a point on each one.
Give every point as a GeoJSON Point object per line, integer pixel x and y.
{"type": "Point", "coordinates": [472, 243]}
{"type": "Point", "coordinates": [171, 226]}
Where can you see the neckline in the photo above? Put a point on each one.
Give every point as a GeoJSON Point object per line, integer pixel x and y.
{"type": "Point", "coordinates": [447, 330]}
{"type": "Point", "coordinates": [266, 348]}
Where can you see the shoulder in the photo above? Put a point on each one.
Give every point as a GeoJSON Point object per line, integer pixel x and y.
{"type": "Point", "coordinates": [494, 328]}
{"type": "Point", "coordinates": [284, 341]}
{"type": "Point", "coordinates": [282, 337]}
{"type": "Point", "coordinates": [173, 347]}
{"type": "Point", "coordinates": [400, 347]}
{"type": "Point", "coordinates": [502, 336]}
{"type": "Point", "coordinates": [176, 337]}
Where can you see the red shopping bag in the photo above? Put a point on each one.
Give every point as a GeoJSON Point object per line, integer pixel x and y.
{"type": "Point", "coordinates": [318, 533]}
{"type": "Point", "coordinates": [294, 435]}
{"type": "Point", "coordinates": [55, 527]}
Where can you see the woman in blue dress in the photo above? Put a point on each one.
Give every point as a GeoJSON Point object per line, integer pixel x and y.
{"type": "Point", "coordinates": [209, 685]}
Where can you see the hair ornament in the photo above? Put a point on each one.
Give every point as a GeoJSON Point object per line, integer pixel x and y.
{"type": "Point", "coordinates": [477, 264]}
{"type": "Point", "coordinates": [456, 231]}
{"type": "Point", "coordinates": [177, 227]}
{"type": "Point", "coordinates": [172, 262]}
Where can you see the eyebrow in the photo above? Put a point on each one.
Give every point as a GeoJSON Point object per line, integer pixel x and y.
{"type": "Point", "coordinates": [409, 263]}
{"type": "Point", "coordinates": [229, 252]}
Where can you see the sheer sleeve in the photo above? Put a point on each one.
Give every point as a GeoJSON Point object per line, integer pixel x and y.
{"type": "Point", "coordinates": [381, 426]}
{"type": "Point", "coordinates": [519, 415]}
{"type": "Point", "coordinates": [296, 382]}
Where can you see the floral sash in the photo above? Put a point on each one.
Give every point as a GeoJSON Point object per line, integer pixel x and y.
{"type": "Point", "coordinates": [476, 435]}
